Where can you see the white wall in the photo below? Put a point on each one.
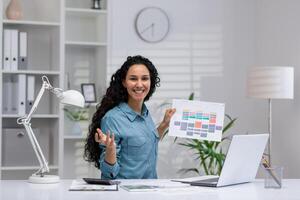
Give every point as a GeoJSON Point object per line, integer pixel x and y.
{"type": "Point", "coordinates": [186, 18]}
{"type": "Point", "coordinates": [278, 43]}
{"type": "Point", "coordinates": [255, 32]}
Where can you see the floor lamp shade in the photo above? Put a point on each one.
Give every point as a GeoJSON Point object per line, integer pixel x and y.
{"type": "Point", "coordinates": [271, 82]}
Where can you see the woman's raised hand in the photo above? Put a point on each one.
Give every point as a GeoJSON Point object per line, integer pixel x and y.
{"type": "Point", "coordinates": [168, 114]}
{"type": "Point", "coordinates": [108, 140]}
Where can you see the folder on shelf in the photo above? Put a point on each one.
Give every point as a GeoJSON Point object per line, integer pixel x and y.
{"type": "Point", "coordinates": [6, 49]}
{"type": "Point", "coordinates": [21, 94]}
{"type": "Point", "coordinates": [22, 50]}
{"type": "Point", "coordinates": [14, 95]}
{"type": "Point", "coordinates": [30, 92]}
{"type": "Point", "coordinates": [7, 98]}
{"type": "Point", "coordinates": [14, 49]}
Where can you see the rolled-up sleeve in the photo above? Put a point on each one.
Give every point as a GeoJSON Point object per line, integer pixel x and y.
{"type": "Point", "coordinates": [109, 171]}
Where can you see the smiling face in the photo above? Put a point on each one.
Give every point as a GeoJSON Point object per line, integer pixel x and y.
{"type": "Point", "coordinates": [137, 83]}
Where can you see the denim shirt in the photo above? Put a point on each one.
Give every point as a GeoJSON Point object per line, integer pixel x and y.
{"type": "Point", "coordinates": [136, 141]}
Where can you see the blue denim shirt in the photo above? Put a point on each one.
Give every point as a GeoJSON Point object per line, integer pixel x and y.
{"type": "Point", "coordinates": [136, 141]}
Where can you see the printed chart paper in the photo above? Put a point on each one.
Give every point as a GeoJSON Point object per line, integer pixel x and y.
{"type": "Point", "coordinates": [197, 120]}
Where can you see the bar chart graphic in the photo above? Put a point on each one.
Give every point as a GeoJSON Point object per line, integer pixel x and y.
{"type": "Point", "coordinates": [197, 120]}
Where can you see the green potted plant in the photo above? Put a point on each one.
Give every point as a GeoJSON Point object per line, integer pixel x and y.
{"type": "Point", "coordinates": [80, 119]}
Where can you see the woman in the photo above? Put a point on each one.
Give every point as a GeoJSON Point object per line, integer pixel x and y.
{"type": "Point", "coordinates": [129, 147]}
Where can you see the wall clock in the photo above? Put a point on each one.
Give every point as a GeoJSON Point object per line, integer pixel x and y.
{"type": "Point", "coordinates": [152, 24]}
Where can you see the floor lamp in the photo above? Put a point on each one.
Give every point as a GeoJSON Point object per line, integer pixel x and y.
{"type": "Point", "coordinates": [271, 82]}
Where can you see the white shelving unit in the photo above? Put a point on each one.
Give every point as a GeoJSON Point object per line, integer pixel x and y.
{"type": "Point", "coordinates": [33, 72]}
{"type": "Point", "coordinates": [84, 12]}
{"type": "Point", "coordinates": [43, 25]}
{"type": "Point", "coordinates": [85, 62]}
{"type": "Point", "coordinates": [86, 44]}
{"type": "Point", "coordinates": [33, 23]}
{"type": "Point", "coordinates": [74, 137]}
{"type": "Point", "coordinates": [67, 42]}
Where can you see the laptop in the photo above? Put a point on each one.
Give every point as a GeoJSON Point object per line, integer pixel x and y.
{"type": "Point", "coordinates": [241, 163]}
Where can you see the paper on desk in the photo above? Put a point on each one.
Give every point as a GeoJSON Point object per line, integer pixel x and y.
{"type": "Point", "coordinates": [197, 120]}
{"type": "Point", "coordinates": [151, 185]}
{"type": "Point", "coordinates": [80, 185]}
{"type": "Point", "coordinates": [166, 187]}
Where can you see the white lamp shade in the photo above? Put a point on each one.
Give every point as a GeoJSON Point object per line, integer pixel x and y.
{"type": "Point", "coordinates": [271, 82]}
{"type": "Point", "coordinates": [72, 97]}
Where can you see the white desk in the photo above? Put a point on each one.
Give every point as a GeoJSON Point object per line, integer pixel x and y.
{"type": "Point", "coordinates": [22, 190]}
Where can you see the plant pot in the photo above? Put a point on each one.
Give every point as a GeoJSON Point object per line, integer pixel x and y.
{"type": "Point", "coordinates": [84, 126]}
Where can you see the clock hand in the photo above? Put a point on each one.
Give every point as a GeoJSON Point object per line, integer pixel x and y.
{"type": "Point", "coordinates": [148, 27]}
{"type": "Point", "coordinates": [152, 29]}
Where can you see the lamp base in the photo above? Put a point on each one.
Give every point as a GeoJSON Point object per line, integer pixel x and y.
{"type": "Point", "coordinates": [46, 179]}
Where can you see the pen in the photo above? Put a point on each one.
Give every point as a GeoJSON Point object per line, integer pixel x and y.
{"type": "Point", "coordinates": [267, 166]}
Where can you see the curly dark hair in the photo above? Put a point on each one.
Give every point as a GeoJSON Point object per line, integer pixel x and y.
{"type": "Point", "coordinates": [115, 94]}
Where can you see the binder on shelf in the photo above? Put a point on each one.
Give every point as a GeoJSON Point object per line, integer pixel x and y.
{"type": "Point", "coordinates": [14, 49]}
{"type": "Point", "coordinates": [23, 50]}
{"type": "Point", "coordinates": [6, 49]}
{"type": "Point", "coordinates": [7, 98]}
{"type": "Point", "coordinates": [14, 95]}
{"type": "Point", "coordinates": [21, 94]}
{"type": "Point", "coordinates": [30, 92]}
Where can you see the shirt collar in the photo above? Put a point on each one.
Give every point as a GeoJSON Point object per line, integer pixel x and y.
{"type": "Point", "coordinates": [131, 114]}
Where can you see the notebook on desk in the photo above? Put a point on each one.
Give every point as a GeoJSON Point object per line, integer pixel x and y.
{"type": "Point", "coordinates": [241, 163]}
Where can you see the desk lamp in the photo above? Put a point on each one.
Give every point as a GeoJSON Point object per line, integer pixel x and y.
{"type": "Point", "coordinates": [70, 97]}
{"type": "Point", "coordinates": [271, 82]}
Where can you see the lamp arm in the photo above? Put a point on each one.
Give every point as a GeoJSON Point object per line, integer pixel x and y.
{"type": "Point", "coordinates": [25, 121]}
{"type": "Point", "coordinates": [46, 85]}
{"type": "Point", "coordinates": [44, 168]}
{"type": "Point", "coordinates": [36, 102]}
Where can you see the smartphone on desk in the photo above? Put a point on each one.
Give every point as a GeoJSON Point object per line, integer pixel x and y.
{"type": "Point", "coordinates": [98, 181]}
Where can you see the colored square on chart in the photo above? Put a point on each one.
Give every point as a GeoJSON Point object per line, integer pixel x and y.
{"type": "Point", "coordinates": [219, 128]}
{"type": "Point", "coordinates": [191, 125]}
{"type": "Point", "coordinates": [211, 130]}
{"type": "Point", "coordinates": [185, 117]}
{"type": "Point", "coordinates": [183, 126]}
{"type": "Point", "coordinates": [204, 126]}
{"type": "Point", "coordinates": [177, 123]}
{"type": "Point", "coordinates": [203, 134]}
{"type": "Point", "coordinates": [212, 115]}
{"type": "Point", "coordinates": [211, 126]}
{"type": "Point", "coordinates": [212, 120]}
{"type": "Point", "coordinates": [192, 115]}
{"type": "Point", "coordinates": [190, 133]}
{"type": "Point", "coordinates": [198, 124]}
